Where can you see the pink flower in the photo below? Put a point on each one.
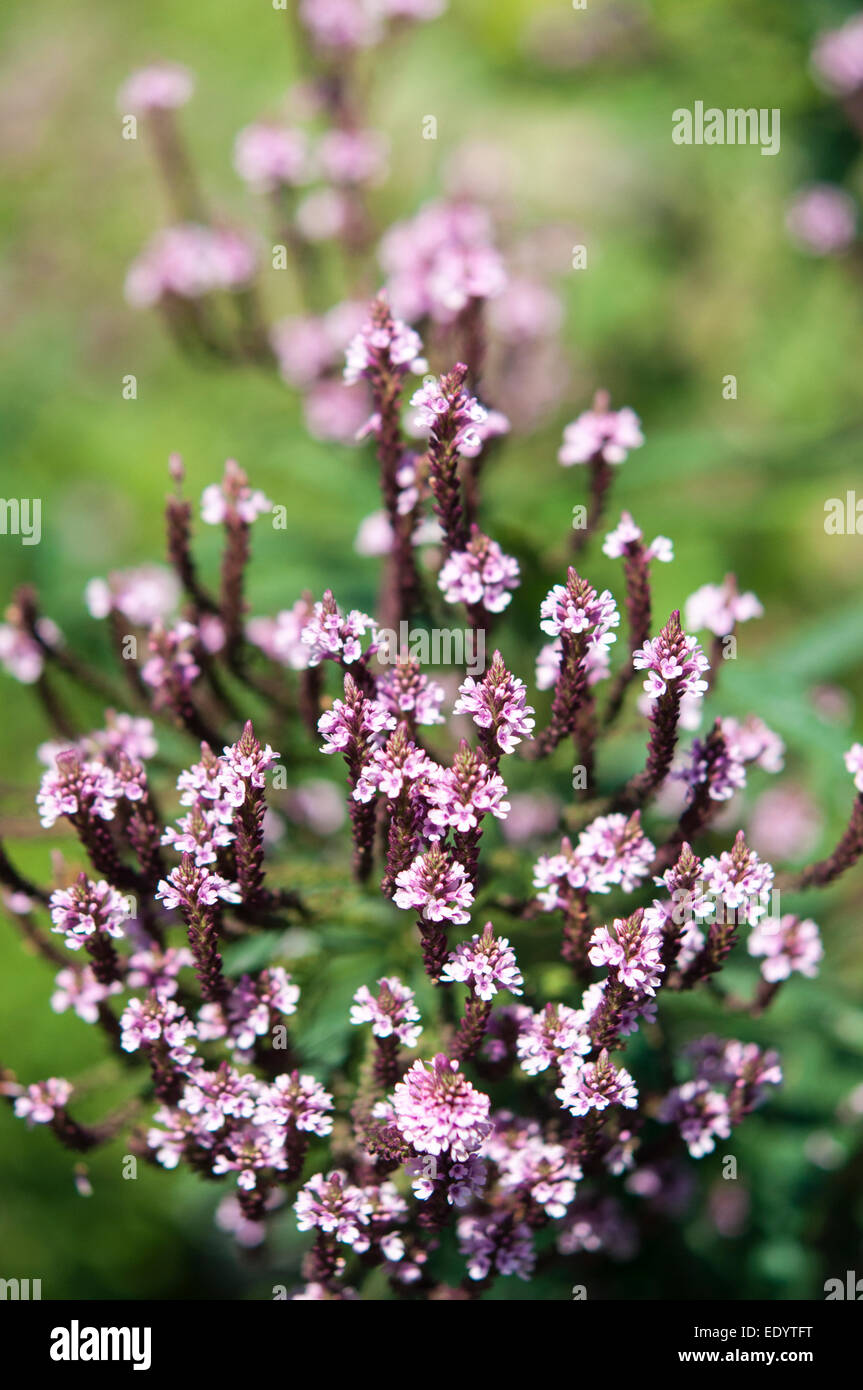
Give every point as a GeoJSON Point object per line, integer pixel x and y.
{"type": "Point", "coordinates": [439, 888]}
{"type": "Point", "coordinates": [822, 219]}
{"type": "Point", "coordinates": [631, 948]}
{"type": "Point", "coordinates": [437, 1110]}
{"type": "Point", "coordinates": [787, 943]}
{"type": "Point", "coordinates": [143, 595]}
{"type": "Point", "coordinates": [189, 261]}
{"type": "Point", "coordinates": [719, 607]}
{"type": "Point", "coordinates": [383, 346]}
{"type": "Point", "coordinates": [162, 87]}
{"type": "Point", "coordinates": [280, 637]}
{"type": "Point", "coordinates": [440, 260]}
{"type": "Point", "coordinates": [330, 634]}
{"type": "Point", "coordinates": [837, 57]}
{"type": "Point", "coordinates": [618, 542]}
{"type": "Point", "coordinates": [672, 657]}
{"type": "Point", "coordinates": [353, 156]}
{"type": "Point", "coordinates": [332, 1205]}
{"type": "Point", "coordinates": [41, 1101]}
{"type": "Point", "coordinates": [81, 991]}
{"type": "Point", "coordinates": [233, 499]}
{"type": "Point", "coordinates": [192, 886]}
{"type": "Point", "coordinates": [87, 908]}
{"type": "Point", "coordinates": [497, 704]}
{"type": "Point", "coordinates": [297, 1100]}
{"type": "Point", "coordinates": [268, 156]}
{"type": "Point", "coordinates": [392, 1012]}
{"type": "Point", "coordinates": [601, 434]}
{"type": "Point", "coordinates": [487, 963]}
{"type": "Point", "coordinates": [550, 1037]}
{"type": "Point", "coordinates": [481, 575]}
{"type": "Point", "coordinates": [595, 1085]}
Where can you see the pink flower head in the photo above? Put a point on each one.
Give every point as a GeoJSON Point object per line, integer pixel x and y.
{"type": "Point", "coordinates": [550, 1037]}
{"type": "Point", "coordinates": [171, 669]}
{"type": "Point", "coordinates": [392, 1012]}
{"type": "Point", "coordinates": [437, 1110]}
{"type": "Point", "coordinates": [42, 1100]}
{"type": "Point", "coordinates": [248, 759]}
{"type": "Point", "coordinates": [448, 412]}
{"type": "Point", "coordinates": [700, 1113]}
{"type": "Point", "coordinates": [296, 1100]}
{"type": "Point", "coordinates": [740, 882]}
{"type": "Point", "coordinates": [837, 57]}
{"type": "Point", "coordinates": [631, 948]}
{"type": "Point", "coordinates": [87, 909]}
{"type": "Point", "coordinates": [441, 260]}
{"type": "Point", "coordinates": [280, 637]}
{"type": "Point", "coordinates": [822, 220]}
{"type": "Point", "coordinates": [340, 26]}
{"type": "Point", "coordinates": [353, 156]}
{"type": "Point", "coordinates": [787, 944]}
{"type": "Point", "coordinates": [162, 87]}
{"type": "Point", "coordinates": [77, 789]}
{"type": "Point", "coordinates": [719, 607]}
{"type": "Point", "coordinates": [672, 659]}
{"type": "Point", "coordinates": [498, 704]}
{"type": "Point", "coordinates": [437, 887]}
{"type": "Point", "coordinates": [192, 886]}
{"type": "Point", "coordinates": [189, 261]}
{"type": "Point", "coordinates": [329, 634]}
{"type": "Point", "coordinates": [383, 347]}
{"type": "Point", "coordinates": [271, 156]}
{"type": "Point", "coordinates": [627, 537]}
{"type": "Point", "coordinates": [233, 500]}
{"type": "Point", "coordinates": [459, 796]}
{"type": "Point", "coordinates": [80, 990]}
{"type": "Point", "coordinates": [393, 768]}
{"type": "Point", "coordinates": [333, 1205]}
{"type": "Point", "coordinates": [480, 575]}
{"type": "Point", "coordinates": [353, 725]}
{"type": "Point", "coordinates": [613, 850]}
{"type": "Point", "coordinates": [405, 690]}
{"type": "Point", "coordinates": [575, 608]}
{"type": "Point", "coordinates": [487, 963]}
{"type": "Point", "coordinates": [595, 1085]}
{"type": "Point", "coordinates": [601, 433]}
{"type": "Point", "coordinates": [256, 1003]}
{"type": "Point", "coordinates": [494, 1242]}
{"type": "Point", "coordinates": [143, 595]}
{"type": "Point", "coordinates": [146, 1022]}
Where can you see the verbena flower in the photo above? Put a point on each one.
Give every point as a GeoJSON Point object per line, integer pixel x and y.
{"type": "Point", "coordinates": [392, 1012]}
{"type": "Point", "coordinates": [487, 963]}
{"type": "Point", "coordinates": [437, 1110]}
{"type": "Point", "coordinates": [479, 575]}
{"type": "Point", "coordinates": [498, 706]}
{"type": "Point", "coordinates": [603, 433]}
{"type": "Point", "coordinates": [437, 887]}
{"type": "Point", "coordinates": [787, 944]}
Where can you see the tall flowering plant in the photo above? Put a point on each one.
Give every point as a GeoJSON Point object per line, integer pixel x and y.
{"type": "Point", "coordinates": [512, 1093]}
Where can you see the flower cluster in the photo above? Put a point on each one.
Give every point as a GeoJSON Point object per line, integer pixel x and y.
{"type": "Point", "coordinates": [218, 944]}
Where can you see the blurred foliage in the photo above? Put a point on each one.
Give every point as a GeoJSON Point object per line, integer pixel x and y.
{"type": "Point", "coordinates": [690, 278]}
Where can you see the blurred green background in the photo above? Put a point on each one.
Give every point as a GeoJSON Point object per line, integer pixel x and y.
{"type": "Point", "coordinates": [690, 278]}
